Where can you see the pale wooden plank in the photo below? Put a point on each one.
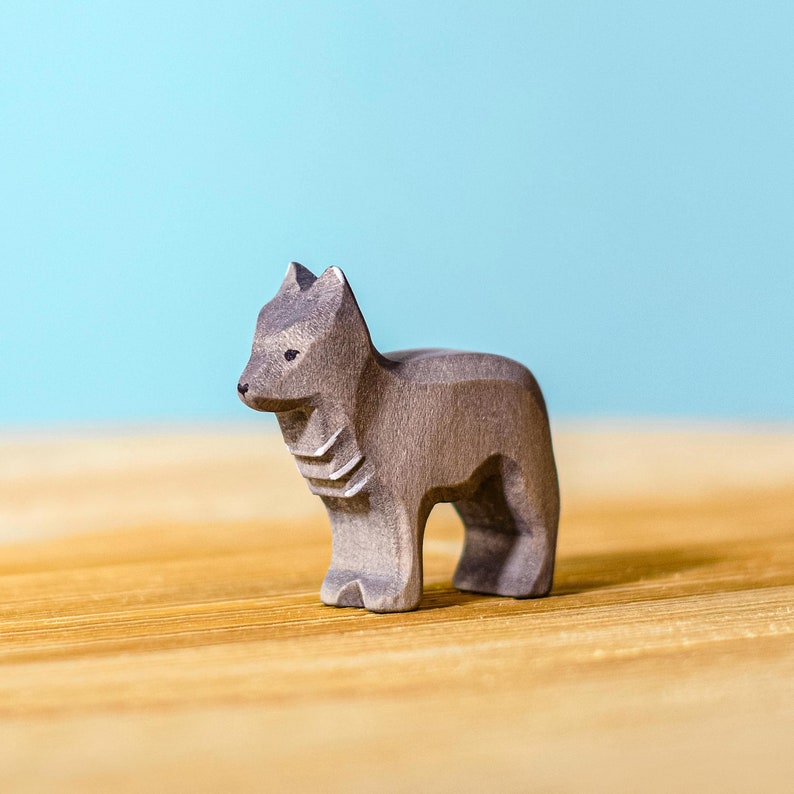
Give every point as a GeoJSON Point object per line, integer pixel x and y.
{"type": "Point", "coordinates": [182, 644]}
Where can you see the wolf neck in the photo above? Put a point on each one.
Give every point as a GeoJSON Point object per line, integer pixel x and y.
{"type": "Point", "coordinates": [324, 438]}
{"type": "Point", "coordinates": [308, 431]}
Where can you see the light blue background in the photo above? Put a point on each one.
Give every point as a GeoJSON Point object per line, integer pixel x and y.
{"type": "Point", "coordinates": [604, 191]}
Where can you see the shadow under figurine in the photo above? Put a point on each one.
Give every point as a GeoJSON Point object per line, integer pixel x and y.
{"type": "Point", "coordinates": [382, 438]}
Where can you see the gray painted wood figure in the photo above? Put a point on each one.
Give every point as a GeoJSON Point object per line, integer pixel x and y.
{"type": "Point", "coordinates": [382, 438]}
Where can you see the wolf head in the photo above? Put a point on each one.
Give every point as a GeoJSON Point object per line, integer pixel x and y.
{"type": "Point", "coordinates": [307, 339]}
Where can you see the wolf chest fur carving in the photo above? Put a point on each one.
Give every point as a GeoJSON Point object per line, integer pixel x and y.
{"type": "Point", "coordinates": [382, 438]}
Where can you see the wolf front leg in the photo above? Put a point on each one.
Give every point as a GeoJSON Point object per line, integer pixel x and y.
{"type": "Point", "coordinates": [377, 560]}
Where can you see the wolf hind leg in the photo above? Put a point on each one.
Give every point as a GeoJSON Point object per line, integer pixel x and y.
{"type": "Point", "coordinates": [511, 533]}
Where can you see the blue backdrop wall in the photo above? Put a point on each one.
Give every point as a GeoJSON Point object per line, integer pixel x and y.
{"type": "Point", "coordinates": [604, 191]}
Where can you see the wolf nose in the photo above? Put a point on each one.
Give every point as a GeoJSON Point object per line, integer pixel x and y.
{"type": "Point", "coordinates": [242, 388]}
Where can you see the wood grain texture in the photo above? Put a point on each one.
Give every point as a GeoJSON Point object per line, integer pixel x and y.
{"type": "Point", "coordinates": [160, 627]}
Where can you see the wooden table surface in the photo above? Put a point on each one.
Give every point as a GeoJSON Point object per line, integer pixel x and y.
{"type": "Point", "coordinates": [160, 626]}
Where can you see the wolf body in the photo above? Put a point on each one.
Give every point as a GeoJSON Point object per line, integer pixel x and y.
{"type": "Point", "coordinates": [382, 438]}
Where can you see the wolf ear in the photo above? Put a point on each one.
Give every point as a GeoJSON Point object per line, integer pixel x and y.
{"type": "Point", "coordinates": [332, 287]}
{"type": "Point", "coordinates": [333, 278]}
{"type": "Point", "coordinates": [297, 277]}
{"type": "Point", "coordinates": [335, 295]}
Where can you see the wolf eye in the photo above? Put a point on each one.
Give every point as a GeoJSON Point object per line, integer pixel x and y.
{"type": "Point", "coordinates": [291, 354]}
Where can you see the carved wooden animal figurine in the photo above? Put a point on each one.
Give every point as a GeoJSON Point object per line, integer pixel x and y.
{"type": "Point", "coordinates": [382, 438]}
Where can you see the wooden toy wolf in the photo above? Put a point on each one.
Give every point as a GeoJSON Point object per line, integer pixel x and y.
{"type": "Point", "coordinates": [382, 438]}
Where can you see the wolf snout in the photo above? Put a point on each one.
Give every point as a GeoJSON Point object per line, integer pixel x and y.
{"type": "Point", "coordinates": [242, 388]}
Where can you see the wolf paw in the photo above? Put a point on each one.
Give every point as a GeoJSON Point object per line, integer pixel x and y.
{"type": "Point", "coordinates": [372, 592]}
